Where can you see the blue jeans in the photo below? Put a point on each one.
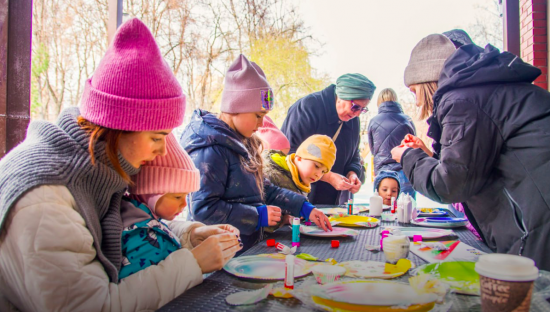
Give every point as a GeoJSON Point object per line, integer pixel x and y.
{"type": "Point", "coordinates": [406, 186]}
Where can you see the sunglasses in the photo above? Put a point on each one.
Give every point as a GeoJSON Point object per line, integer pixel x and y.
{"type": "Point", "coordinates": [356, 108]}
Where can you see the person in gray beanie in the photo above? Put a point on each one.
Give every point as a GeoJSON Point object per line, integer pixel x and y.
{"type": "Point", "coordinates": [333, 112]}
{"type": "Point", "coordinates": [491, 128]}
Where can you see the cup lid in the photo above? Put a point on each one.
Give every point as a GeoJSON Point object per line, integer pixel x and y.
{"type": "Point", "coordinates": [507, 267]}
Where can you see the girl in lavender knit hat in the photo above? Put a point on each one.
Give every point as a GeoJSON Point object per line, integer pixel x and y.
{"type": "Point", "coordinates": [61, 191]}
{"type": "Point", "coordinates": [227, 153]}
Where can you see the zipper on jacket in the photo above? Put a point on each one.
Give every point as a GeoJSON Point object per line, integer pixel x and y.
{"type": "Point", "coordinates": [518, 217]}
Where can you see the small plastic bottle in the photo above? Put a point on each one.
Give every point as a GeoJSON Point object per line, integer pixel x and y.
{"type": "Point", "coordinates": [350, 206]}
{"type": "Point", "coordinates": [399, 209]}
{"type": "Point", "coordinates": [393, 205]}
{"type": "Point", "coordinates": [376, 205]}
{"type": "Point", "coordinates": [407, 209]}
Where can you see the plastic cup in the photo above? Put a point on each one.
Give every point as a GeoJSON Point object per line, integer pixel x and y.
{"type": "Point", "coordinates": [506, 282]}
{"type": "Point", "coordinates": [325, 273]}
{"type": "Point", "coordinates": [396, 247]}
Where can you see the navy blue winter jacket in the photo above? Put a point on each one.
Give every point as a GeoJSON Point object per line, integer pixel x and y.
{"type": "Point", "coordinates": [316, 114]}
{"type": "Point", "coordinates": [228, 193]}
{"type": "Point", "coordinates": [386, 131]}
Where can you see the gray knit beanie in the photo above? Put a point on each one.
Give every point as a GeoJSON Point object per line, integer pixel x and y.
{"type": "Point", "coordinates": [427, 59]}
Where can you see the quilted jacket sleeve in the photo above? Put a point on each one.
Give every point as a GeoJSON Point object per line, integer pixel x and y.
{"type": "Point", "coordinates": [207, 204]}
{"type": "Point", "coordinates": [470, 148]}
{"type": "Point", "coordinates": [183, 230]}
{"type": "Point", "coordinates": [48, 263]}
{"type": "Point", "coordinates": [283, 198]}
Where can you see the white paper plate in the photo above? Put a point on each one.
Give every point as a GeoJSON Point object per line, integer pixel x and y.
{"type": "Point", "coordinates": [265, 267]}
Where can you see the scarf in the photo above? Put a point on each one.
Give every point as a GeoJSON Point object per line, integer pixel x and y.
{"type": "Point", "coordinates": [57, 154]}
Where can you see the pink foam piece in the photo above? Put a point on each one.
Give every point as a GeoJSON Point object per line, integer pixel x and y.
{"type": "Point", "coordinates": [417, 238]}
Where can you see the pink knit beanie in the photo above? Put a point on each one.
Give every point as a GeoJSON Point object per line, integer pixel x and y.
{"type": "Point", "coordinates": [272, 136]}
{"type": "Point", "coordinates": [172, 173]}
{"type": "Point", "coordinates": [133, 88]}
{"type": "Point", "coordinates": [246, 89]}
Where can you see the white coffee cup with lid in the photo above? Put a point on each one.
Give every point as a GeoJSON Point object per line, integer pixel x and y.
{"type": "Point", "coordinates": [507, 267]}
{"type": "Point", "coordinates": [506, 282]}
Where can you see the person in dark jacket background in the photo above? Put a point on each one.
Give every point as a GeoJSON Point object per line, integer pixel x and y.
{"type": "Point", "coordinates": [333, 112]}
{"type": "Point", "coordinates": [386, 131]}
{"type": "Point", "coordinates": [228, 155]}
{"type": "Point", "coordinates": [491, 128]}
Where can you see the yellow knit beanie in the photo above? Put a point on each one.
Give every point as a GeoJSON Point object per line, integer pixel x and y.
{"type": "Point", "coordinates": [318, 148]}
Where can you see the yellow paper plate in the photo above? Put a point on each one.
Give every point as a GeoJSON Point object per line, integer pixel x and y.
{"type": "Point", "coordinates": [355, 221]}
{"type": "Point", "coordinates": [371, 296]}
{"type": "Point", "coordinates": [339, 210]}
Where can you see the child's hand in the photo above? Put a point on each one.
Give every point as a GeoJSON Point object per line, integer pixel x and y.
{"type": "Point", "coordinates": [273, 215]}
{"type": "Point", "coordinates": [199, 234]}
{"type": "Point", "coordinates": [215, 251]}
{"type": "Point", "coordinates": [318, 217]}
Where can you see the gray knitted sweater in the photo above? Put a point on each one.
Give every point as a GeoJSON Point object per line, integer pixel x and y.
{"type": "Point", "coordinates": [57, 154]}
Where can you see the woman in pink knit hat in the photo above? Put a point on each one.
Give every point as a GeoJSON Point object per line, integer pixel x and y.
{"type": "Point", "coordinates": [61, 192]}
{"type": "Point", "coordinates": [227, 153]}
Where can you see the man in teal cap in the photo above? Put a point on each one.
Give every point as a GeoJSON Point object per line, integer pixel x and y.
{"type": "Point", "coordinates": [332, 112]}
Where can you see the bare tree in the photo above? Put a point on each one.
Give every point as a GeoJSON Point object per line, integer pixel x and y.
{"type": "Point", "coordinates": [198, 38]}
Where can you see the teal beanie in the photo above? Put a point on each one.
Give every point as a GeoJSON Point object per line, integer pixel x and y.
{"type": "Point", "coordinates": [354, 87]}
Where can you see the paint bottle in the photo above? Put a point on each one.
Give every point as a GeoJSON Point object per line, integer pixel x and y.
{"type": "Point", "coordinates": [375, 205]}
{"type": "Point", "coordinates": [289, 272]}
{"type": "Point", "coordinates": [407, 209]}
{"type": "Point", "coordinates": [296, 232]}
{"type": "Point", "coordinates": [393, 205]}
{"type": "Point", "coordinates": [399, 209]}
{"type": "Point", "coordinates": [350, 206]}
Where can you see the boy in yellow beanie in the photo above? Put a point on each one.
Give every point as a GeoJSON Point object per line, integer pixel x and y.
{"type": "Point", "coordinates": [295, 172]}
{"type": "Point", "coordinates": [313, 158]}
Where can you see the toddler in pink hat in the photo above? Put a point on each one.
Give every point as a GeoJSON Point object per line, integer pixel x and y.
{"type": "Point", "coordinates": [159, 192]}
{"type": "Point", "coordinates": [272, 137]}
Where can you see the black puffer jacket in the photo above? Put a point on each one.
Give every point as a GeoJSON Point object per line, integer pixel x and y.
{"type": "Point", "coordinates": [386, 131]}
{"type": "Point", "coordinates": [493, 127]}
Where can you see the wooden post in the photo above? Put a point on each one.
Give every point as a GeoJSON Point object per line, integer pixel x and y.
{"type": "Point", "coordinates": [115, 18]}
{"type": "Point", "coordinates": [511, 26]}
{"type": "Point", "coordinates": [15, 72]}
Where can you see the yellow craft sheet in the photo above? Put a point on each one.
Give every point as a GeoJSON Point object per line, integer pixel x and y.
{"type": "Point", "coordinates": [403, 265]}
